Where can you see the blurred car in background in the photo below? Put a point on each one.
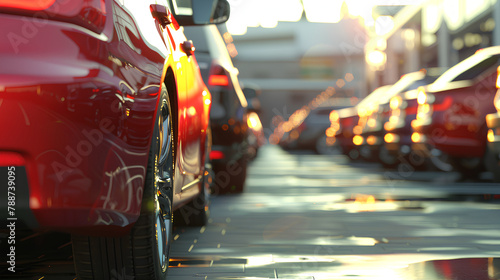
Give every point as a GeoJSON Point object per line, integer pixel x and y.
{"type": "Point", "coordinates": [397, 126]}
{"type": "Point", "coordinates": [93, 107]}
{"type": "Point", "coordinates": [228, 116]}
{"type": "Point", "coordinates": [493, 148]}
{"type": "Point", "coordinates": [344, 123]}
{"type": "Point", "coordinates": [256, 137]}
{"type": "Point", "coordinates": [373, 117]}
{"type": "Point", "coordinates": [451, 116]}
{"type": "Point", "coordinates": [311, 133]}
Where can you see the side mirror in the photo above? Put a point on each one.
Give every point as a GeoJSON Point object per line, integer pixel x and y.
{"type": "Point", "coordinates": [200, 12]}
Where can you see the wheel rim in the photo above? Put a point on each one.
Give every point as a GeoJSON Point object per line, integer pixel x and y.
{"type": "Point", "coordinates": [163, 172]}
{"type": "Point", "coordinates": [162, 230]}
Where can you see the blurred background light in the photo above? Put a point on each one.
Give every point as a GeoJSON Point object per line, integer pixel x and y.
{"type": "Point", "coordinates": [326, 11]}
{"type": "Point", "coordinates": [384, 25]}
{"type": "Point", "coordinates": [376, 58]}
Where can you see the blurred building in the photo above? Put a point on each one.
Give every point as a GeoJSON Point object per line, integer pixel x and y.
{"type": "Point", "coordinates": [296, 61]}
{"type": "Point", "coordinates": [437, 33]}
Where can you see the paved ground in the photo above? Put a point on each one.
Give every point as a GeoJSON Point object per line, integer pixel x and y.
{"type": "Point", "coordinates": [306, 216]}
{"type": "Point", "coordinates": [321, 217]}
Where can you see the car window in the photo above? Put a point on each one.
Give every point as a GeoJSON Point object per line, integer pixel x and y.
{"type": "Point", "coordinates": [469, 68]}
{"type": "Point", "coordinates": [197, 35]}
{"type": "Point", "coordinates": [374, 95]}
{"type": "Point", "coordinates": [407, 82]}
{"type": "Point", "coordinates": [183, 7]}
{"type": "Point", "coordinates": [478, 68]}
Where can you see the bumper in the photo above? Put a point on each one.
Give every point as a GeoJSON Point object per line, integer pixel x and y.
{"type": "Point", "coordinates": [457, 142]}
{"type": "Point", "coordinates": [399, 142]}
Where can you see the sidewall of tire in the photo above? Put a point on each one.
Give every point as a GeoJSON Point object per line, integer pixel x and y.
{"type": "Point", "coordinates": [133, 256]}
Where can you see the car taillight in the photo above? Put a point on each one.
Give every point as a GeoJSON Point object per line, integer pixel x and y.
{"type": "Point", "coordinates": [424, 97]}
{"type": "Point", "coordinates": [498, 77]}
{"type": "Point", "coordinates": [90, 14]}
{"type": "Point", "coordinates": [216, 155]}
{"type": "Point", "coordinates": [218, 80]}
{"type": "Point", "coordinates": [334, 116]}
{"type": "Point", "coordinates": [218, 76]}
{"type": "Point", "coordinates": [496, 100]}
{"type": "Point", "coordinates": [396, 102]}
{"type": "Point", "coordinates": [391, 138]}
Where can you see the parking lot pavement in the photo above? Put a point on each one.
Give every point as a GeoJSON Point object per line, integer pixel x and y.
{"type": "Point", "coordinates": [306, 216]}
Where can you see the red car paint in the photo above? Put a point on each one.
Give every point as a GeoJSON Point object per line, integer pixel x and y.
{"type": "Point", "coordinates": [453, 120]}
{"type": "Point", "coordinates": [78, 102]}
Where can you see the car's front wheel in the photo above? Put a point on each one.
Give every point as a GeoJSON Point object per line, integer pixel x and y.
{"type": "Point", "coordinates": [144, 252]}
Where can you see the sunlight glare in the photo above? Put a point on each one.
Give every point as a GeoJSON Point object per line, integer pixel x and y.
{"type": "Point", "coordinates": [325, 11]}
{"type": "Point", "coordinates": [384, 25]}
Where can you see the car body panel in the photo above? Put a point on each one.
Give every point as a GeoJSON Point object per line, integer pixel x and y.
{"type": "Point", "coordinates": [455, 123]}
{"type": "Point", "coordinates": [80, 109]}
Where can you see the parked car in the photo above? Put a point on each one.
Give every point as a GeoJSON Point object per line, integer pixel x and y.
{"type": "Point", "coordinates": [373, 119]}
{"type": "Point", "coordinates": [311, 133]}
{"type": "Point", "coordinates": [344, 123]}
{"type": "Point", "coordinates": [104, 116]}
{"type": "Point", "coordinates": [256, 137]}
{"type": "Point", "coordinates": [397, 127]}
{"type": "Point", "coordinates": [492, 156]}
{"type": "Point", "coordinates": [450, 122]}
{"type": "Point", "coordinates": [228, 118]}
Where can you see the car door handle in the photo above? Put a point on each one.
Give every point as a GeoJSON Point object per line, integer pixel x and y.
{"type": "Point", "coordinates": [161, 13]}
{"type": "Point", "coordinates": [188, 47]}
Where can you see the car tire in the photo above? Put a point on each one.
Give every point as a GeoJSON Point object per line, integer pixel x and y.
{"type": "Point", "coordinates": [321, 147]}
{"type": "Point", "coordinates": [418, 160]}
{"type": "Point", "coordinates": [353, 155]}
{"type": "Point", "coordinates": [388, 160]}
{"type": "Point", "coordinates": [238, 180]}
{"type": "Point", "coordinates": [469, 168]}
{"type": "Point", "coordinates": [492, 163]}
{"type": "Point", "coordinates": [234, 174]}
{"type": "Point", "coordinates": [144, 252]}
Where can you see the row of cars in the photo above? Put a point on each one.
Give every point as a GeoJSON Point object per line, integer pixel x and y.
{"type": "Point", "coordinates": [446, 120]}
{"type": "Point", "coordinates": [111, 118]}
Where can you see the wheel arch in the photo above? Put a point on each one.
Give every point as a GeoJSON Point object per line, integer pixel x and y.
{"type": "Point", "coordinates": [171, 86]}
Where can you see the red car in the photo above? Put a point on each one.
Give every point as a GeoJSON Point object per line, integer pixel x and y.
{"type": "Point", "coordinates": [397, 128]}
{"type": "Point", "coordinates": [104, 119]}
{"type": "Point", "coordinates": [344, 127]}
{"type": "Point", "coordinates": [228, 116]}
{"type": "Point", "coordinates": [373, 119]}
{"type": "Point", "coordinates": [450, 122]}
